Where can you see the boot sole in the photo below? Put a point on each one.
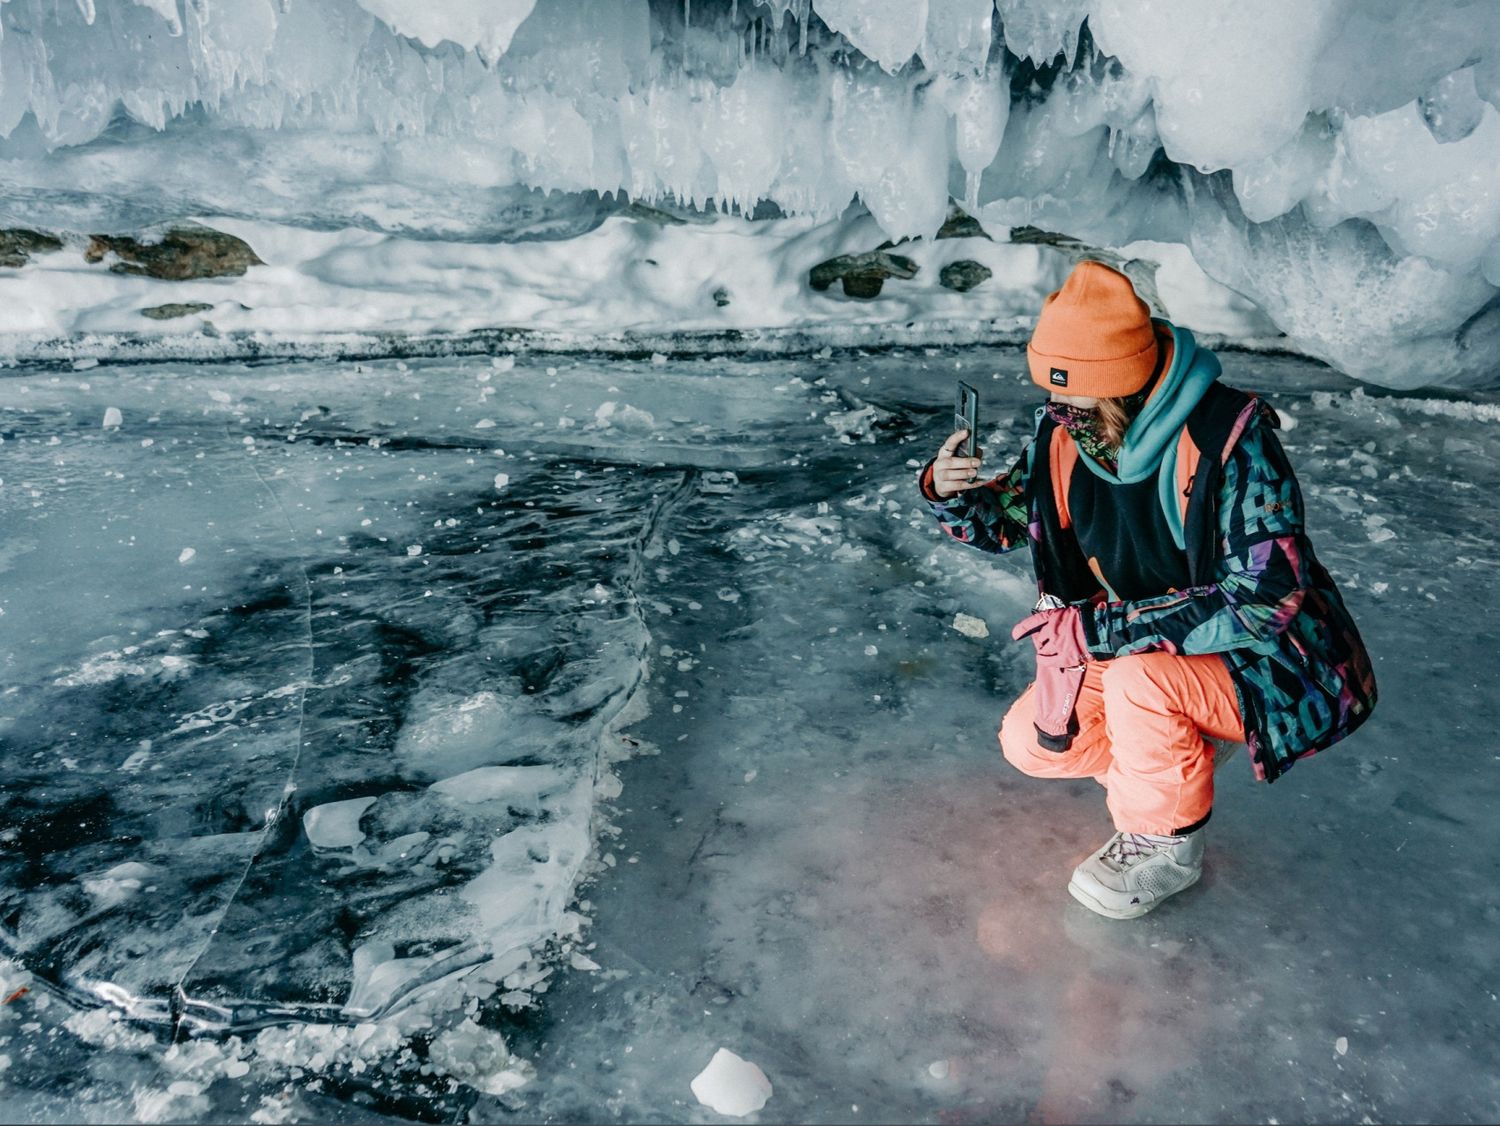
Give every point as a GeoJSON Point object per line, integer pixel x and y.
{"type": "Point", "coordinates": [1135, 911]}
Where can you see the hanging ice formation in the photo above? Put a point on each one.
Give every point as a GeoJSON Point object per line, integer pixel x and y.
{"type": "Point", "coordinates": [1337, 161]}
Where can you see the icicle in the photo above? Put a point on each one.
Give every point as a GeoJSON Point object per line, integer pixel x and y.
{"type": "Point", "coordinates": [687, 14]}
{"type": "Point", "coordinates": [971, 192]}
{"type": "Point", "coordinates": [734, 12]}
{"type": "Point", "coordinates": [87, 8]}
{"type": "Point", "coordinates": [802, 18]}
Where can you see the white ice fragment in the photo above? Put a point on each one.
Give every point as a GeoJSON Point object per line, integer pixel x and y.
{"type": "Point", "coordinates": [580, 961]}
{"type": "Point", "coordinates": [186, 555]}
{"type": "Point", "coordinates": [871, 650]}
{"type": "Point", "coordinates": [414, 549]}
{"type": "Point", "coordinates": [970, 626]}
{"type": "Point", "coordinates": [502, 363]}
{"type": "Point", "coordinates": [485, 424]}
{"type": "Point", "coordinates": [1341, 1045]}
{"type": "Point", "coordinates": [518, 786]}
{"type": "Point", "coordinates": [624, 416]}
{"type": "Point", "coordinates": [118, 884]}
{"type": "Point", "coordinates": [336, 824]}
{"type": "Point", "coordinates": [219, 396]}
{"type": "Point", "coordinates": [730, 1085]}
{"type": "Point", "coordinates": [658, 358]}
{"type": "Point", "coordinates": [479, 1057]}
{"type": "Point", "coordinates": [112, 418]}
{"type": "Point", "coordinates": [718, 482]}
{"type": "Point", "coordinates": [938, 1069]}
{"type": "Point", "coordinates": [501, 480]}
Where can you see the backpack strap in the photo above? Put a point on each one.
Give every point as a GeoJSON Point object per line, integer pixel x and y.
{"type": "Point", "coordinates": [1213, 428]}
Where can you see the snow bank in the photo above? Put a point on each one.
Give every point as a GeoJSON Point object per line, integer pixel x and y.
{"type": "Point", "coordinates": [631, 282]}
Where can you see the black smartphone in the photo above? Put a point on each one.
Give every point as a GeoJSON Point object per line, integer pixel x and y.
{"type": "Point", "coordinates": [966, 417]}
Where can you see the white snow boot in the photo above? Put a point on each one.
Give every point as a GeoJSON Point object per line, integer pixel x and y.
{"type": "Point", "coordinates": [1136, 871]}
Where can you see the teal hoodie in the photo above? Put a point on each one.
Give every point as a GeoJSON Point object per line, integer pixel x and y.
{"type": "Point", "coordinates": [1154, 431]}
{"type": "Point", "coordinates": [1151, 440]}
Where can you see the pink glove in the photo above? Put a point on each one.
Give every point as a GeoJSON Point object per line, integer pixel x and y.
{"type": "Point", "coordinates": [1061, 657]}
{"type": "Point", "coordinates": [1057, 635]}
{"type": "Point", "coordinates": [1054, 697]}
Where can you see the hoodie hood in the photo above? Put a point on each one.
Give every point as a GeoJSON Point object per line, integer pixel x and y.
{"type": "Point", "coordinates": [1155, 430]}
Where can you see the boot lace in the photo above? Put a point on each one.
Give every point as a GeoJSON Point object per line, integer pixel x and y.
{"type": "Point", "coordinates": [1128, 848]}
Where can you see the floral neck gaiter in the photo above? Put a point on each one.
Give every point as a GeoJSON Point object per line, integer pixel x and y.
{"type": "Point", "coordinates": [1083, 424]}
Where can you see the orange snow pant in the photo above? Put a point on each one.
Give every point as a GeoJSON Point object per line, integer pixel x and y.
{"type": "Point", "coordinates": [1142, 720]}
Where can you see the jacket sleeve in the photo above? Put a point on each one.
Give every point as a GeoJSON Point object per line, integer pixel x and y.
{"type": "Point", "coordinates": [991, 518]}
{"type": "Point", "coordinates": [1263, 571]}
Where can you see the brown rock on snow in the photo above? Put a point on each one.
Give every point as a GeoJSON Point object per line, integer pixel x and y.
{"type": "Point", "coordinates": [176, 309]}
{"type": "Point", "coordinates": [964, 274]}
{"type": "Point", "coordinates": [862, 275]}
{"type": "Point", "coordinates": [183, 253]}
{"type": "Point", "coordinates": [17, 245]}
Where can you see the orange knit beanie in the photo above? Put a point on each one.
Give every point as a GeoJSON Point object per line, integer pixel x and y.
{"type": "Point", "coordinates": [1093, 337]}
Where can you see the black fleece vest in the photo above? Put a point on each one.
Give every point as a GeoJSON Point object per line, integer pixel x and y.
{"type": "Point", "coordinates": [1063, 569]}
{"type": "Point", "coordinates": [1124, 532]}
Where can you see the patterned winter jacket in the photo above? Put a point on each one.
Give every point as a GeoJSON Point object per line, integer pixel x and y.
{"type": "Point", "coordinates": [1258, 596]}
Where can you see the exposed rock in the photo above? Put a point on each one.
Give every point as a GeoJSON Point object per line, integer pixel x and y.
{"type": "Point", "coordinates": [960, 224]}
{"type": "Point", "coordinates": [862, 274]}
{"type": "Point", "coordinates": [964, 274]}
{"type": "Point", "coordinates": [1036, 235]}
{"type": "Point", "coordinates": [17, 245]}
{"type": "Point", "coordinates": [721, 297]}
{"type": "Point", "coordinates": [183, 253]}
{"type": "Point", "coordinates": [657, 215]}
{"type": "Point", "coordinates": [179, 309]}
{"type": "Point", "coordinates": [1140, 271]}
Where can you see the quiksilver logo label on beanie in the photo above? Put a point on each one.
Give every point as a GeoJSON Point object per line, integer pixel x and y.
{"type": "Point", "coordinates": [1059, 377]}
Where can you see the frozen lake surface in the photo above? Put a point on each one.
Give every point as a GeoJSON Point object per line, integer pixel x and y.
{"type": "Point", "coordinates": [463, 741]}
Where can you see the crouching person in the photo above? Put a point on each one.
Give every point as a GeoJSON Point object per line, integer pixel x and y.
{"type": "Point", "coordinates": [1182, 606]}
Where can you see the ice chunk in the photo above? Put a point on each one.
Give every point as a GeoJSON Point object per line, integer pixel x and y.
{"type": "Point", "coordinates": [485, 25]}
{"type": "Point", "coordinates": [336, 824]}
{"type": "Point", "coordinates": [970, 626]}
{"type": "Point", "coordinates": [888, 31]}
{"type": "Point", "coordinates": [624, 416]}
{"type": "Point", "coordinates": [118, 884]}
{"type": "Point", "coordinates": [516, 785]}
{"type": "Point", "coordinates": [479, 1057]}
{"type": "Point", "coordinates": [731, 1085]}
{"type": "Point", "coordinates": [112, 418]}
